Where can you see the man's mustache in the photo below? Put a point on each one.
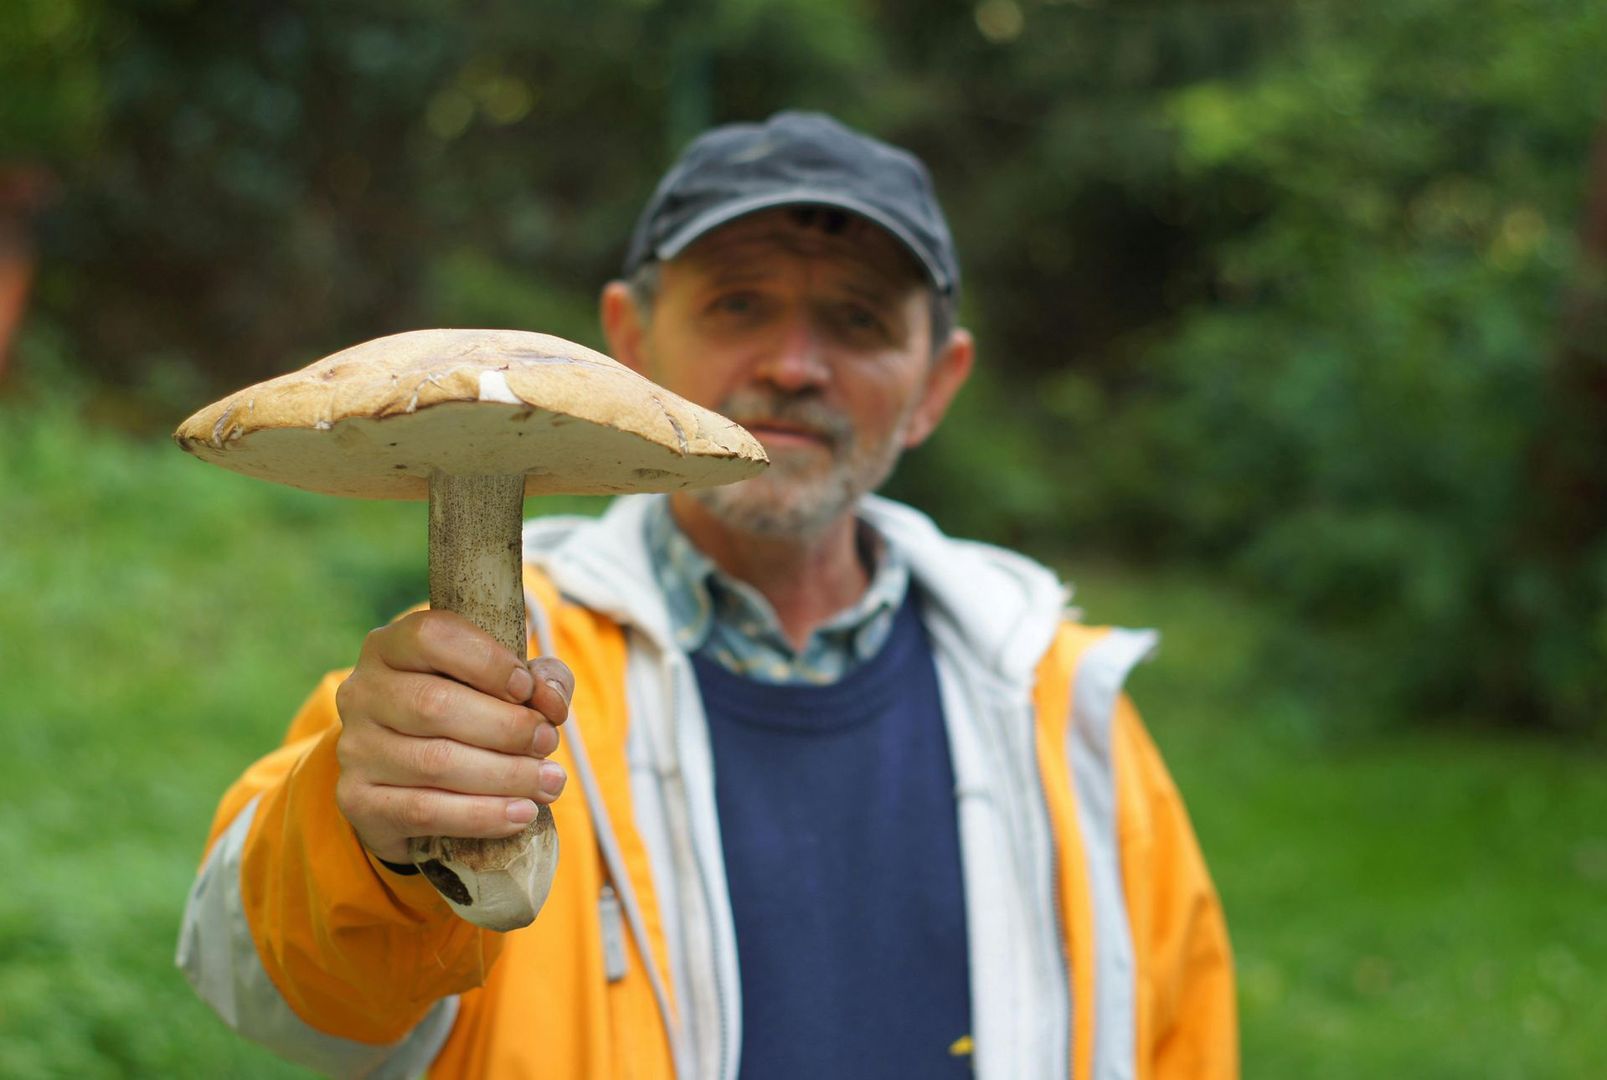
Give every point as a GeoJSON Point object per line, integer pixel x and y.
{"type": "Point", "coordinates": [805, 411]}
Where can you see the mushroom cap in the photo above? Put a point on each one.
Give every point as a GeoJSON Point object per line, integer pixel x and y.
{"type": "Point", "coordinates": [375, 420]}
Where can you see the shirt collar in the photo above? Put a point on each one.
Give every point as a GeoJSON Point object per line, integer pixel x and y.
{"type": "Point", "coordinates": [701, 597]}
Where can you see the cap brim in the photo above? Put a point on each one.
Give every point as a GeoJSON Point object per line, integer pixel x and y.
{"type": "Point", "coordinates": [704, 223]}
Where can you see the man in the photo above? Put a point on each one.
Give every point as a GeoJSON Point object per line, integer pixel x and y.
{"type": "Point", "coordinates": [856, 799]}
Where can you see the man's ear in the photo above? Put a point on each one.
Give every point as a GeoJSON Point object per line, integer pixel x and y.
{"type": "Point", "coordinates": [950, 368]}
{"type": "Point", "coordinates": [623, 326]}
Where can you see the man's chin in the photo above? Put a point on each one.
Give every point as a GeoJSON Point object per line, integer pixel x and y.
{"type": "Point", "coordinates": [754, 507]}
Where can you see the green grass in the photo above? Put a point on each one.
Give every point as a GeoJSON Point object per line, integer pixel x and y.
{"type": "Point", "coordinates": [1424, 903]}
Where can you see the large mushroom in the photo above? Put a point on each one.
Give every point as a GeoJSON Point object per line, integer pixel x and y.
{"type": "Point", "coordinates": [474, 421]}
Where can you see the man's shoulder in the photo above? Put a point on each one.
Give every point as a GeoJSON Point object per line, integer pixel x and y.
{"type": "Point", "coordinates": [912, 530]}
{"type": "Point", "coordinates": [928, 547]}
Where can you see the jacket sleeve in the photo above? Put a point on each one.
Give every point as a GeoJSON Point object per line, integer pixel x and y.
{"type": "Point", "coordinates": [1188, 1018]}
{"type": "Point", "coordinates": [302, 942]}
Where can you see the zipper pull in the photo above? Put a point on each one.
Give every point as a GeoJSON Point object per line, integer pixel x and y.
{"type": "Point", "coordinates": [612, 917]}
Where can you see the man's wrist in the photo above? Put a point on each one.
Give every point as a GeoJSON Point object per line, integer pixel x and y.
{"type": "Point", "coordinates": [401, 869]}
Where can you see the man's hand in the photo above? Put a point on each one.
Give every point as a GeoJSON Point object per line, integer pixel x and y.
{"type": "Point", "coordinates": [445, 733]}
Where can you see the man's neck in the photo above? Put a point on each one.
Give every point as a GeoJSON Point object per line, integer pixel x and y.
{"type": "Point", "coordinates": [806, 580]}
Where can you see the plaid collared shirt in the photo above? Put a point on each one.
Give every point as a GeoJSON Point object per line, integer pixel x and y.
{"type": "Point", "coordinates": [729, 621]}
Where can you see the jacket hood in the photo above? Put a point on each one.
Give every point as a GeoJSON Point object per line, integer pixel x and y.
{"type": "Point", "coordinates": [1004, 606]}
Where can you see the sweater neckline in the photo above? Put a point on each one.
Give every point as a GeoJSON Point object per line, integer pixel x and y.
{"type": "Point", "coordinates": [812, 708]}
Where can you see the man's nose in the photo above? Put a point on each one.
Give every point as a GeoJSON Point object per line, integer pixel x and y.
{"type": "Point", "coordinates": [796, 361]}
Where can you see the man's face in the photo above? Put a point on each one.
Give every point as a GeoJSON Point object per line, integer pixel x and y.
{"type": "Point", "coordinates": [812, 330]}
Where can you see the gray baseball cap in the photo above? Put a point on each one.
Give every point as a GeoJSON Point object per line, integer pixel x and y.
{"type": "Point", "coordinates": [795, 159]}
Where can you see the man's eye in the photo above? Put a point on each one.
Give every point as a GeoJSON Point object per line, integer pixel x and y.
{"type": "Point", "coordinates": [858, 318]}
{"type": "Point", "coordinates": [735, 304]}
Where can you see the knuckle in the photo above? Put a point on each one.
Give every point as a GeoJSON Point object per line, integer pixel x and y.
{"type": "Point", "coordinates": [487, 821]}
{"type": "Point", "coordinates": [357, 754]}
{"type": "Point", "coordinates": [431, 699]}
{"type": "Point", "coordinates": [485, 656]}
{"type": "Point", "coordinates": [353, 748]}
{"type": "Point", "coordinates": [346, 695]}
{"type": "Point", "coordinates": [414, 812]}
{"type": "Point", "coordinates": [431, 630]}
{"type": "Point", "coordinates": [477, 817]}
{"type": "Point", "coordinates": [518, 727]}
{"type": "Point", "coordinates": [344, 752]}
{"type": "Point", "coordinates": [435, 758]}
{"type": "Point", "coordinates": [518, 777]}
{"type": "Point", "coordinates": [347, 795]}
{"type": "Point", "coordinates": [374, 648]}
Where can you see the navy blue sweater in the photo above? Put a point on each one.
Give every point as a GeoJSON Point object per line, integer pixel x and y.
{"type": "Point", "coordinates": [842, 854]}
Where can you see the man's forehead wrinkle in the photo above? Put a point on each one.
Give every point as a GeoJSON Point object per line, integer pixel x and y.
{"type": "Point", "coordinates": [739, 271]}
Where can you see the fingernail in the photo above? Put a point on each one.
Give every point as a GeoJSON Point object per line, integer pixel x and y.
{"type": "Point", "coordinates": [541, 737]}
{"type": "Point", "coordinates": [520, 684]}
{"type": "Point", "coordinates": [521, 811]}
{"type": "Point", "coordinates": [552, 778]}
{"type": "Point", "coordinates": [559, 687]}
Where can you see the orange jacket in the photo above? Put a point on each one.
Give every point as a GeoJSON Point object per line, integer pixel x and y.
{"type": "Point", "coordinates": [1097, 943]}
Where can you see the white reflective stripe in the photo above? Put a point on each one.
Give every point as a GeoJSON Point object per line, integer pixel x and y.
{"type": "Point", "coordinates": [219, 957]}
{"type": "Point", "coordinates": [1088, 745]}
{"type": "Point", "coordinates": [608, 843]}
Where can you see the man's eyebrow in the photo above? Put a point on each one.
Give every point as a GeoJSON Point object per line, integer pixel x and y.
{"type": "Point", "coordinates": [879, 291]}
{"type": "Point", "coordinates": [875, 290]}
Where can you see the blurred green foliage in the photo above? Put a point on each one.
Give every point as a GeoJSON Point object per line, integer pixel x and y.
{"type": "Point", "coordinates": [1291, 290]}
{"type": "Point", "coordinates": [1358, 419]}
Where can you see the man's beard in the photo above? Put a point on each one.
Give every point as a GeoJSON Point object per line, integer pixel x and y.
{"type": "Point", "coordinates": [804, 490]}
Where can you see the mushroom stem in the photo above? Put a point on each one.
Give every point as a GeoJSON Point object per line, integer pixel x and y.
{"type": "Point", "coordinates": [476, 571]}
{"type": "Point", "coordinates": [475, 564]}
